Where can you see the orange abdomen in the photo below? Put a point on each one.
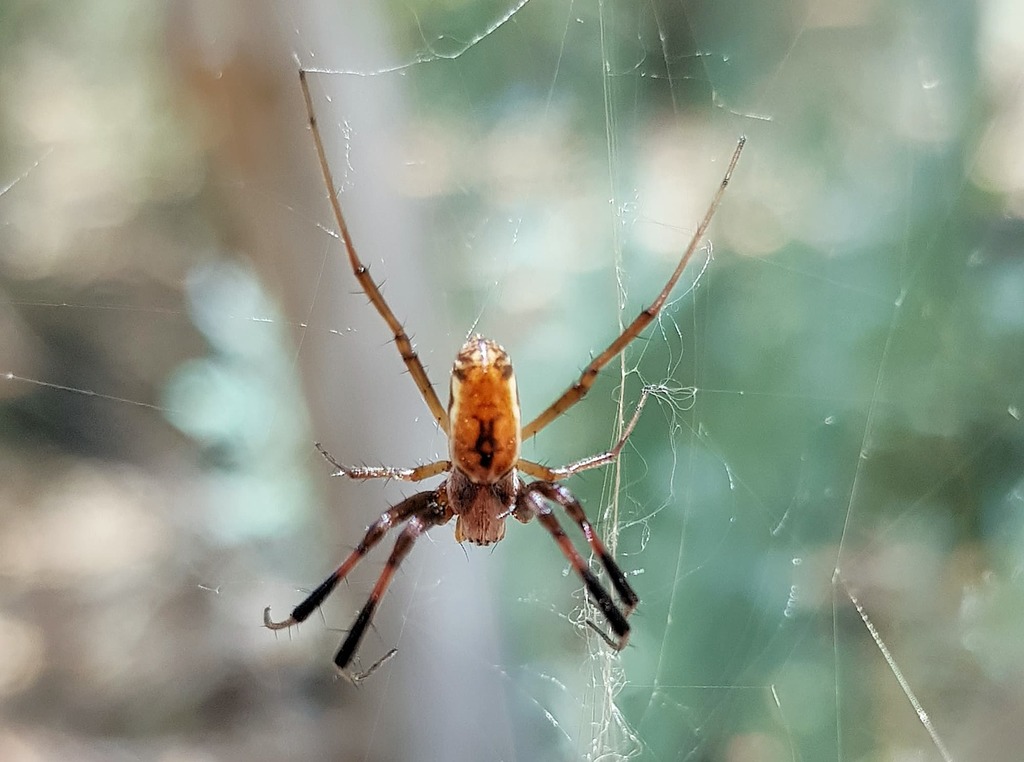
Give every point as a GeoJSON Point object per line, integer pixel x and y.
{"type": "Point", "coordinates": [484, 412]}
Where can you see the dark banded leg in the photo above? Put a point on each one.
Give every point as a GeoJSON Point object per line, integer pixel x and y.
{"type": "Point", "coordinates": [417, 526]}
{"type": "Point", "coordinates": [559, 494]}
{"type": "Point", "coordinates": [420, 504]}
{"type": "Point", "coordinates": [533, 497]}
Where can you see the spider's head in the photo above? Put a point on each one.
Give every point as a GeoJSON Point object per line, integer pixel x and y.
{"type": "Point", "coordinates": [483, 409]}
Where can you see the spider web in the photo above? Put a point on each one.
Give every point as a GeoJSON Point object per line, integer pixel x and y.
{"type": "Point", "coordinates": [821, 507]}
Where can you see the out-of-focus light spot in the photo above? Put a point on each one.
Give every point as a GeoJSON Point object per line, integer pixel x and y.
{"type": "Point", "coordinates": [14, 747]}
{"type": "Point", "coordinates": [87, 523]}
{"type": "Point", "coordinates": [242, 401]}
{"type": "Point", "coordinates": [227, 303]}
{"type": "Point", "coordinates": [1000, 44]}
{"type": "Point", "coordinates": [21, 657]}
{"type": "Point", "coordinates": [255, 506]}
{"type": "Point", "coordinates": [756, 747]}
{"type": "Point", "coordinates": [999, 165]}
{"type": "Point", "coordinates": [1002, 304]}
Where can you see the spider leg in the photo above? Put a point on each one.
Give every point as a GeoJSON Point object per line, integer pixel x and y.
{"type": "Point", "coordinates": [532, 499]}
{"type": "Point", "coordinates": [576, 392]}
{"type": "Point", "coordinates": [416, 526]}
{"type": "Point", "coordinates": [366, 282]}
{"type": "Point", "coordinates": [420, 504]}
{"type": "Point", "coordinates": [557, 493]}
{"type": "Point", "coordinates": [385, 472]}
{"type": "Point", "coordinates": [547, 474]}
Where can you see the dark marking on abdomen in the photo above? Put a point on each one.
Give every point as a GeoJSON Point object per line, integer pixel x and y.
{"type": "Point", "coordinates": [485, 443]}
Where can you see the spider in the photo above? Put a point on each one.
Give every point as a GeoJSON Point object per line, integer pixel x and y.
{"type": "Point", "coordinates": [483, 482]}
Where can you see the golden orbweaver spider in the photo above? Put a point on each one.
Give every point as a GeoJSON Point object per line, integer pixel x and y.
{"type": "Point", "coordinates": [484, 484]}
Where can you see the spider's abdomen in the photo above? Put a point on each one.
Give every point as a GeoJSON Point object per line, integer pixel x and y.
{"type": "Point", "coordinates": [484, 412]}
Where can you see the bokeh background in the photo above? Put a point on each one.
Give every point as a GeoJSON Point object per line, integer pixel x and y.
{"type": "Point", "coordinates": [822, 511]}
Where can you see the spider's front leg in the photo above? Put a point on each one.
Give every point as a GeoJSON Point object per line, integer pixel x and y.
{"type": "Point", "coordinates": [532, 501]}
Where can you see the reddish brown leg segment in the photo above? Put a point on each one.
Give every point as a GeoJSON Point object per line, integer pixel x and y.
{"type": "Point", "coordinates": [533, 498]}
{"type": "Point", "coordinates": [417, 526]}
{"type": "Point", "coordinates": [559, 494]}
{"type": "Point", "coordinates": [418, 504]}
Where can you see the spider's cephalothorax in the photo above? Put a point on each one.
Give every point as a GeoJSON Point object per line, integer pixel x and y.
{"type": "Point", "coordinates": [483, 442]}
{"type": "Point", "coordinates": [484, 485]}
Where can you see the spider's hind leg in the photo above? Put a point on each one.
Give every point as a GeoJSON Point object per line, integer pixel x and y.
{"type": "Point", "coordinates": [532, 499]}
{"type": "Point", "coordinates": [416, 527]}
{"type": "Point", "coordinates": [559, 494]}
{"type": "Point", "coordinates": [421, 511]}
